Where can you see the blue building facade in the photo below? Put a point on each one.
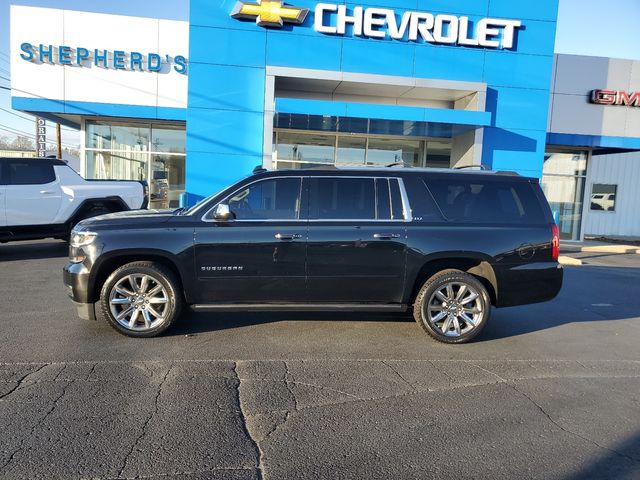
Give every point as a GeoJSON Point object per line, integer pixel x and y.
{"type": "Point", "coordinates": [248, 79]}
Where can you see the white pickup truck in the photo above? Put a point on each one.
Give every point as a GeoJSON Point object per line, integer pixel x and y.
{"type": "Point", "coordinates": [45, 198]}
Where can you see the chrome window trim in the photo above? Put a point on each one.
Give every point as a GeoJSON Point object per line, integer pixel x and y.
{"type": "Point", "coordinates": [406, 206]}
{"type": "Point", "coordinates": [406, 210]}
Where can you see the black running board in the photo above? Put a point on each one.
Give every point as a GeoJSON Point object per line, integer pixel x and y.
{"type": "Point", "coordinates": [320, 307]}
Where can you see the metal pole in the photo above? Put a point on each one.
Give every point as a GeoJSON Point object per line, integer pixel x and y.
{"type": "Point", "coordinates": [58, 139]}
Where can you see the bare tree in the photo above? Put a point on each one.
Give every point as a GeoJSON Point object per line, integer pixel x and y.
{"type": "Point", "coordinates": [23, 143]}
{"type": "Point", "coordinates": [5, 143]}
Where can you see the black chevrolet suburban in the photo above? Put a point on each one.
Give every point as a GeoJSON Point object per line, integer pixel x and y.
{"type": "Point", "coordinates": [447, 244]}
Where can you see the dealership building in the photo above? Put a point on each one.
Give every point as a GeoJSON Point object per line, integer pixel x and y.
{"type": "Point", "coordinates": [193, 106]}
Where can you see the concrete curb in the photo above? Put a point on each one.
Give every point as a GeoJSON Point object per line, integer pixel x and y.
{"type": "Point", "coordinates": [564, 260]}
{"type": "Point", "coordinates": [612, 249]}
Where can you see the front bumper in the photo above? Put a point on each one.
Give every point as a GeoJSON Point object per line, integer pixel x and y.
{"type": "Point", "coordinates": [76, 279]}
{"type": "Point", "coordinates": [86, 311]}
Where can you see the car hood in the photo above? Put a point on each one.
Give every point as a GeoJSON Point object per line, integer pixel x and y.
{"type": "Point", "coordinates": [132, 217]}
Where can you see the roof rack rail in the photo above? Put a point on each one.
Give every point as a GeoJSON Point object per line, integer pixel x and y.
{"type": "Point", "coordinates": [324, 167]}
{"type": "Point", "coordinates": [508, 173]}
{"type": "Point", "coordinates": [465, 167]}
{"type": "Point", "coordinates": [396, 164]}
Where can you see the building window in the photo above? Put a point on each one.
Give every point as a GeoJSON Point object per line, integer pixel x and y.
{"type": "Point", "coordinates": [295, 149]}
{"type": "Point", "coordinates": [563, 181]}
{"type": "Point", "coordinates": [603, 197]}
{"type": "Point", "coordinates": [139, 151]}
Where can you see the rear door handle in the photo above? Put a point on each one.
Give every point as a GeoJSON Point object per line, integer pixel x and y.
{"type": "Point", "coordinates": [46, 192]}
{"type": "Point", "coordinates": [288, 236]}
{"type": "Point", "coordinates": [386, 236]}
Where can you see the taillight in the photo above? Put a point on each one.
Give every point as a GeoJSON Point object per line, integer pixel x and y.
{"type": "Point", "coordinates": [555, 242]}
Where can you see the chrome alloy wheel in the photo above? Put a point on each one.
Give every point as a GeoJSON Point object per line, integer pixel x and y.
{"type": "Point", "coordinates": [455, 309]}
{"type": "Point", "coordinates": [139, 302]}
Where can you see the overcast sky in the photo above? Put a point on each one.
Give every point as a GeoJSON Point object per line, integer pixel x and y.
{"type": "Point", "coordinates": [584, 28]}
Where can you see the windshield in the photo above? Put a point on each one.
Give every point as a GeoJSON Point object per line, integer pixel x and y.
{"type": "Point", "coordinates": [197, 206]}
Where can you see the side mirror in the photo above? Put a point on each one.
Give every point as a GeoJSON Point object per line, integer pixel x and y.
{"type": "Point", "coordinates": [223, 213]}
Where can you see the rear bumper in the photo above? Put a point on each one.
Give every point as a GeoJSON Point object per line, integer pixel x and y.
{"type": "Point", "coordinates": [530, 283]}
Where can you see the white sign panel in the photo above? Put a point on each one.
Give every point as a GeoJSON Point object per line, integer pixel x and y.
{"type": "Point", "coordinates": [90, 57]}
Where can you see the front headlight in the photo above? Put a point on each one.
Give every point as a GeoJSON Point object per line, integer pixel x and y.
{"type": "Point", "coordinates": [82, 239]}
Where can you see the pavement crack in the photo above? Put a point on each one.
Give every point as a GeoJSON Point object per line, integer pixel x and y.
{"type": "Point", "coordinates": [288, 380]}
{"type": "Point", "coordinates": [146, 423]}
{"type": "Point", "coordinates": [398, 375]}
{"type": "Point", "coordinates": [503, 380]}
{"type": "Point", "coordinates": [568, 431]}
{"type": "Point", "coordinates": [444, 372]}
{"type": "Point", "coordinates": [22, 381]}
{"type": "Point", "coordinates": [91, 370]}
{"type": "Point", "coordinates": [324, 387]}
{"type": "Point", "coordinates": [245, 427]}
{"type": "Point", "coordinates": [38, 423]}
{"type": "Point", "coordinates": [278, 426]}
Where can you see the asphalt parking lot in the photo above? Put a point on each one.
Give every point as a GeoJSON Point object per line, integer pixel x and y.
{"type": "Point", "coordinates": [547, 391]}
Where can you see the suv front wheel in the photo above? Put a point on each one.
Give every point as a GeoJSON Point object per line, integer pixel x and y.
{"type": "Point", "coordinates": [452, 306]}
{"type": "Point", "coordinates": [141, 299]}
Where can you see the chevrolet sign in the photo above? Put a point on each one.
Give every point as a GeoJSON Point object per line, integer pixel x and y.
{"type": "Point", "coordinates": [373, 22]}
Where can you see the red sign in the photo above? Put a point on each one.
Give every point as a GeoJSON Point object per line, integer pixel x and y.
{"type": "Point", "coordinates": [615, 97]}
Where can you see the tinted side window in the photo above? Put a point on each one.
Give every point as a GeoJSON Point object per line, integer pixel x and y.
{"type": "Point", "coordinates": [423, 207]}
{"type": "Point", "coordinates": [487, 201]}
{"type": "Point", "coordinates": [342, 198]}
{"type": "Point", "coordinates": [275, 199]}
{"type": "Point", "coordinates": [29, 172]}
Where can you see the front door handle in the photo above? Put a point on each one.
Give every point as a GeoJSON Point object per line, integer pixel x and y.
{"type": "Point", "coordinates": [47, 192]}
{"type": "Point", "coordinates": [288, 236]}
{"type": "Point", "coordinates": [386, 236]}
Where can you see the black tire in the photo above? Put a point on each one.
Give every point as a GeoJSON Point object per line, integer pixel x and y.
{"type": "Point", "coordinates": [89, 213]}
{"type": "Point", "coordinates": [93, 212]}
{"type": "Point", "coordinates": [477, 310]}
{"type": "Point", "coordinates": [157, 275]}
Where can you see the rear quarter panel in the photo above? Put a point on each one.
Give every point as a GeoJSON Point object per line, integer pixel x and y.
{"type": "Point", "coordinates": [519, 255]}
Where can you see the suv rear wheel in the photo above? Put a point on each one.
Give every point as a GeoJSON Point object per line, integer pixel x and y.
{"type": "Point", "coordinates": [452, 306]}
{"type": "Point", "coordinates": [141, 299]}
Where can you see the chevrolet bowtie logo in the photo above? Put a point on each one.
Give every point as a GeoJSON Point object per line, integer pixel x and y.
{"type": "Point", "coordinates": [269, 13]}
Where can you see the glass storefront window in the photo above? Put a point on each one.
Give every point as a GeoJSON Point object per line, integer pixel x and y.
{"type": "Point", "coordinates": [116, 165]}
{"type": "Point", "coordinates": [306, 148]}
{"type": "Point", "coordinates": [438, 154]}
{"type": "Point", "coordinates": [98, 136]}
{"type": "Point", "coordinates": [563, 182]}
{"type": "Point", "coordinates": [129, 138]}
{"type": "Point", "coordinates": [387, 151]}
{"type": "Point", "coordinates": [294, 149]}
{"type": "Point", "coordinates": [167, 181]}
{"type": "Point", "coordinates": [168, 139]}
{"type": "Point", "coordinates": [603, 197]}
{"type": "Point", "coordinates": [351, 150]}
{"type": "Point", "coordinates": [136, 151]}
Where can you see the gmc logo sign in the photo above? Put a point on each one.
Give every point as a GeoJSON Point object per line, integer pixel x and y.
{"type": "Point", "coordinates": [615, 97]}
